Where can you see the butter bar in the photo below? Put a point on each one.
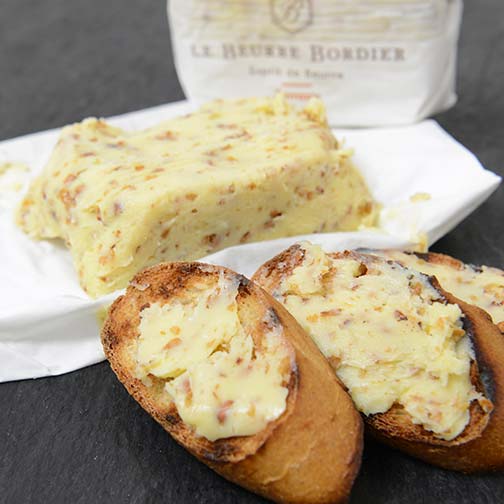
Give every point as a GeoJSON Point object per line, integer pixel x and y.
{"type": "Point", "coordinates": [233, 172]}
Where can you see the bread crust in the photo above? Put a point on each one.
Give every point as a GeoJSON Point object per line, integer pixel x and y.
{"type": "Point", "coordinates": [310, 454]}
{"type": "Point", "coordinates": [480, 447]}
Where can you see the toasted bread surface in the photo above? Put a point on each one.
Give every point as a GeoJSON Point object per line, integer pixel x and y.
{"type": "Point", "coordinates": [311, 453]}
{"type": "Point", "coordinates": [481, 444]}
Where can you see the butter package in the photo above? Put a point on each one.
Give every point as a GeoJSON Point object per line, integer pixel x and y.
{"type": "Point", "coordinates": [373, 62]}
{"type": "Point", "coordinates": [236, 171]}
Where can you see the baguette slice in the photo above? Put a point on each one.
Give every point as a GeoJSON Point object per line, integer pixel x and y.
{"type": "Point", "coordinates": [480, 446]}
{"type": "Point", "coordinates": [310, 454]}
{"type": "Point", "coordinates": [482, 286]}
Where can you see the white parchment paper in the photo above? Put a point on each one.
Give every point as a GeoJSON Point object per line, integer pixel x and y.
{"type": "Point", "coordinates": [49, 326]}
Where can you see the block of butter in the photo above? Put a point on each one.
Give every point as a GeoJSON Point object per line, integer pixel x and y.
{"type": "Point", "coordinates": [232, 172]}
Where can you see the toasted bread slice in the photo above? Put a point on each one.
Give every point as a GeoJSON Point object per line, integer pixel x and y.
{"type": "Point", "coordinates": [482, 286]}
{"type": "Point", "coordinates": [310, 453]}
{"type": "Point", "coordinates": [476, 446]}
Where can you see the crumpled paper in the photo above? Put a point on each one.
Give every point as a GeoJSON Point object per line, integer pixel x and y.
{"type": "Point", "coordinates": [425, 180]}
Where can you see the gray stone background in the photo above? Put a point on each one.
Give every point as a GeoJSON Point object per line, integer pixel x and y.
{"type": "Point", "coordinates": [80, 438]}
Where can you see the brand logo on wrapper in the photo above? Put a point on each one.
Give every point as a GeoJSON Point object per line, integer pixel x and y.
{"type": "Point", "coordinates": [378, 62]}
{"type": "Point", "coordinates": [292, 15]}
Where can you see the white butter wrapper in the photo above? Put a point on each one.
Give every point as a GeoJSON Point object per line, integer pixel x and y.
{"type": "Point", "coordinates": [425, 180]}
{"type": "Point", "coordinates": [372, 62]}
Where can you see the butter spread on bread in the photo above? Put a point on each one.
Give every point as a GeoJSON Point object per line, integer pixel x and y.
{"type": "Point", "coordinates": [390, 337]}
{"type": "Point", "coordinates": [482, 286]}
{"type": "Point", "coordinates": [221, 384]}
{"type": "Point", "coordinates": [250, 373]}
{"type": "Point", "coordinates": [233, 172]}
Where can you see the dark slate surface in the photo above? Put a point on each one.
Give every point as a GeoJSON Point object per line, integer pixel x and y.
{"type": "Point", "coordinates": [80, 438]}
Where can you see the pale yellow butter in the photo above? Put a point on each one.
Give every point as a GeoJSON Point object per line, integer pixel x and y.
{"type": "Point", "coordinates": [233, 172]}
{"type": "Point", "coordinates": [13, 176]}
{"type": "Point", "coordinates": [221, 385]}
{"type": "Point", "coordinates": [387, 335]}
{"type": "Point", "coordinates": [482, 286]}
